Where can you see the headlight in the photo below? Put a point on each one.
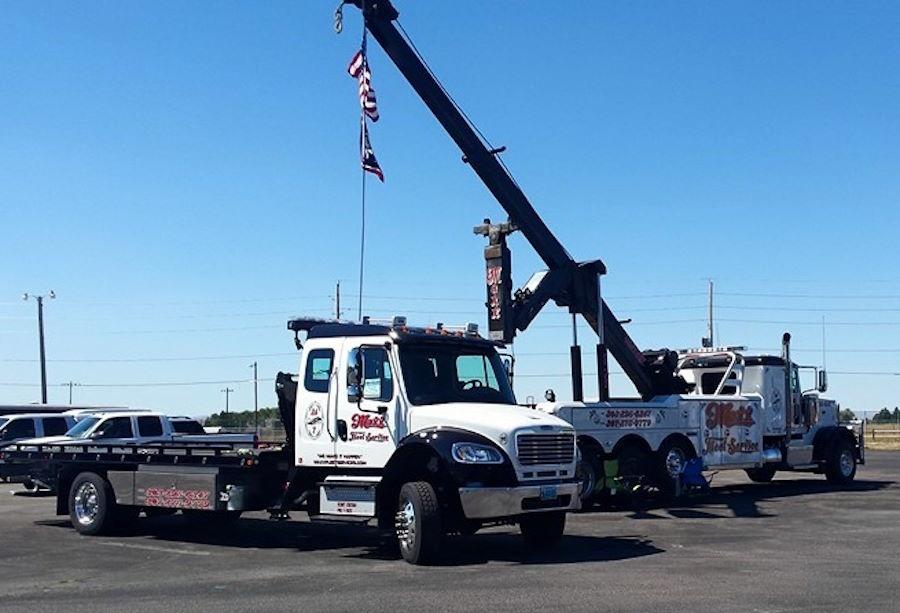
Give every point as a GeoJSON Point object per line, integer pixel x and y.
{"type": "Point", "coordinates": [471, 453]}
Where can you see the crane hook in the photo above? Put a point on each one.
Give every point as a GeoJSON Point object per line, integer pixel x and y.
{"type": "Point", "coordinates": [339, 18]}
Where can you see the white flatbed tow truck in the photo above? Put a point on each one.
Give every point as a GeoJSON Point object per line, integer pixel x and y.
{"type": "Point", "coordinates": [415, 429]}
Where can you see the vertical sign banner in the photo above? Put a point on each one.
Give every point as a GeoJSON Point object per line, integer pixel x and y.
{"type": "Point", "coordinates": [499, 292]}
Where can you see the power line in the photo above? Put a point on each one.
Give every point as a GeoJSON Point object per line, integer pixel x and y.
{"type": "Point", "coordinates": [201, 358]}
{"type": "Point", "coordinates": [145, 383]}
{"type": "Point", "coordinates": [815, 296]}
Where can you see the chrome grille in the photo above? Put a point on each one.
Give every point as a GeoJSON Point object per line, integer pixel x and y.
{"type": "Point", "coordinates": [545, 448]}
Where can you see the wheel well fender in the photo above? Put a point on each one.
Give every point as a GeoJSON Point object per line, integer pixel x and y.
{"type": "Point", "coordinates": [587, 444]}
{"type": "Point", "coordinates": [631, 440]}
{"type": "Point", "coordinates": [414, 461]}
{"type": "Point", "coordinates": [682, 441]}
{"type": "Point", "coordinates": [827, 437]}
{"type": "Point", "coordinates": [64, 478]}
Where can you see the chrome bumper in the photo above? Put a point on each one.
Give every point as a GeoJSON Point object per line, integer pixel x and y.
{"type": "Point", "coordinates": [496, 502]}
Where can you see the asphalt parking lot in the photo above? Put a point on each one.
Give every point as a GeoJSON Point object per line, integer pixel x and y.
{"type": "Point", "coordinates": [794, 545]}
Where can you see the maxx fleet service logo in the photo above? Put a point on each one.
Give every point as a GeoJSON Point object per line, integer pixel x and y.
{"type": "Point", "coordinates": [314, 420]}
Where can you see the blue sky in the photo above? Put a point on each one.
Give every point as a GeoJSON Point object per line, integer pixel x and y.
{"type": "Point", "coordinates": [185, 177]}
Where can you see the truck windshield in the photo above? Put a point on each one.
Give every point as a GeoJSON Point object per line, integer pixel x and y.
{"type": "Point", "coordinates": [3, 422]}
{"type": "Point", "coordinates": [81, 428]}
{"type": "Point", "coordinates": [438, 373]}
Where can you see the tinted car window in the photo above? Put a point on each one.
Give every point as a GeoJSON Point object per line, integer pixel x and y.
{"type": "Point", "coordinates": [150, 426]}
{"type": "Point", "coordinates": [188, 427]}
{"type": "Point", "coordinates": [19, 428]}
{"type": "Point", "coordinates": [115, 427]}
{"type": "Point", "coordinates": [55, 426]}
{"type": "Point", "coordinates": [318, 370]}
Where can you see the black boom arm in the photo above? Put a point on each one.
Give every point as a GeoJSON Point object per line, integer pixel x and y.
{"type": "Point", "coordinates": [566, 282]}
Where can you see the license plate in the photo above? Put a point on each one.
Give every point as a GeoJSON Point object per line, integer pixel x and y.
{"type": "Point", "coordinates": [548, 492]}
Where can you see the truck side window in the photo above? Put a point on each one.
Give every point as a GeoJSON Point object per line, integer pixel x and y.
{"type": "Point", "coordinates": [55, 426]}
{"type": "Point", "coordinates": [115, 427]}
{"type": "Point", "coordinates": [318, 370]}
{"type": "Point", "coordinates": [379, 381]}
{"type": "Point", "coordinates": [149, 426]}
{"type": "Point", "coordinates": [19, 428]}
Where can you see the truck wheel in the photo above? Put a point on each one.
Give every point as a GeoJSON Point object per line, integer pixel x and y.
{"type": "Point", "coordinates": [763, 474]}
{"type": "Point", "coordinates": [840, 465]}
{"type": "Point", "coordinates": [542, 530]}
{"type": "Point", "coordinates": [589, 473]}
{"type": "Point", "coordinates": [418, 523]}
{"type": "Point", "coordinates": [634, 465]}
{"type": "Point", "coordinates": [671, 461]}
{"type": "Point", "coordinates": [92, 506]}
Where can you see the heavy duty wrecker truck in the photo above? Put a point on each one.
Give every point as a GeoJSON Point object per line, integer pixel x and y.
{"type": "Point", "coordinates": [743, 412]}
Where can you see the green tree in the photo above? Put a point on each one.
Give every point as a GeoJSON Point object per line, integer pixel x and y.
{"type": "Point", "coordinates": [883, 416]}
{"type": "Point", "coordinates": [241, 419]}
{"type": "Point", "coordinates": [847, 415]}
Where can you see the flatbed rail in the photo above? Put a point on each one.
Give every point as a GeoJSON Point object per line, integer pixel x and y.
{"type": "Point", "coordinates": [214, 454]}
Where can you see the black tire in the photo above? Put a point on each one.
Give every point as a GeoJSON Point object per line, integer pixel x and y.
{"type": "Point", "coordinates": [634, 467]}
{"type": "Point", "coordinates": [840, 465]}
{"type": "Point", "coordinates": [589, 473]}
{"type": "Point", "coordinates": [30, 485]}
{"type": "Point", "coordinates": [543, 530]}
{"type": "Point", "coordinates": [671, 459]}
{"type": "Point", "coordinates": [764, 474]}
{"type": "Point", "coordinates": [417, 523]}
{"type": "Point", "coordinates": [92, 505]}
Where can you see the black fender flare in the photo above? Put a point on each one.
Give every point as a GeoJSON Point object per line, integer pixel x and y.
{"type": "Point", "coordinates": [827, 437]}
{"type": "Point", "coordinates": [426, 455]}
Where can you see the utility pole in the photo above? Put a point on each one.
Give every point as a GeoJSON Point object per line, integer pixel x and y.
{"type": "Point", "coordinates": [227, 392]}
{"type": "Point", "coordinates": [40, 305]}
{"type": "Point", "coordinates": [337, 301]}
{"type": "Point", "coordinates": [709, 341]}
{"type": "Point", "coordinates": [71, 384]}
{"type": "Point", "coordinates": [256, 395]}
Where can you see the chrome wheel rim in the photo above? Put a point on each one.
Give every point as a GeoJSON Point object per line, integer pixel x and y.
{"type": "Point", "coordinates": [846, 463]}
{"type": "Point", "coordinates": [87, 503]}
{"type": "Point", "coordinates": [587, 479]}
{"type": "Point", "coordinates": [405, 524]}
{"type": "Point", "coordinates": [675, 461]}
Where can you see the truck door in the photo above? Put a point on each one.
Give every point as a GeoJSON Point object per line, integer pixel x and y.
{"type": "Point", "coordinates": [366, 417]}
{"type": "Point", "coordinates": [314, 424]}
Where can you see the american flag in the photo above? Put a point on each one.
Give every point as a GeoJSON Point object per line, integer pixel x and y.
{"type": "Point", "coordinates": [359, 70]}
{"type": "Point", "coordinates": [367, 156]}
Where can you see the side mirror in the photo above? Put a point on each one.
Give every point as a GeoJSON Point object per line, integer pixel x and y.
{"type": "Point", "coordinates": [354, 376]}
{"type": "Point", "coordinates": [822, 383]}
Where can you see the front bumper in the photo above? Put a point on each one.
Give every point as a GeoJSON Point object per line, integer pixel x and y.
{"type": "Point", "coordinates": [497, 502]}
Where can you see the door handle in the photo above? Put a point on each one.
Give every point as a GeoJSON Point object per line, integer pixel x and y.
{"type": "Point", "coordinates": [342, 429]}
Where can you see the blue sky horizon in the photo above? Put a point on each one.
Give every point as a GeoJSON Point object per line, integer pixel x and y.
{"type": "Point", "coordinates": [186, 179]}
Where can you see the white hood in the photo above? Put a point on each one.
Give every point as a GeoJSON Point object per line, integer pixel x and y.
{"type": "Point", "coordinates": [489, 420]}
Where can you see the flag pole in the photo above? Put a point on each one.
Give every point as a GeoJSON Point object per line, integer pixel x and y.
{"type": "Point", "coordinates": [362, 240]}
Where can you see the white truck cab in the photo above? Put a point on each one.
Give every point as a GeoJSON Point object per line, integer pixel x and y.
{"type": "Point", "coordinates": [419, 428]}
